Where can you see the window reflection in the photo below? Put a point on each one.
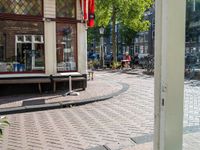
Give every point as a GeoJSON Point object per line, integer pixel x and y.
{"type": "Point", "coordinates": [19, 49]}
{"type": "Point", "coordinates": [192, 57]}
{"type": "Point", "coordinates": [21, 7]}
{"type": "Point", "coordinates": [66, 47]}
{"type": "Point", "coordinates": [65, 8]}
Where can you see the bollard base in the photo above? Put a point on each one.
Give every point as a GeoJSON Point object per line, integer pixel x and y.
{"type": "Point", "coordinates": [71, 93]}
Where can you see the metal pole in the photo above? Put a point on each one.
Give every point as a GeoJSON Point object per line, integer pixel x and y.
{"type": "Point", "coordinates": [70, 83]}
{"type": "Point", "coordinates": [194, 5]}
{"type": "Point", "coordinates": [71, 92]}
{"type": "Point", "coordinates": [102, 53]}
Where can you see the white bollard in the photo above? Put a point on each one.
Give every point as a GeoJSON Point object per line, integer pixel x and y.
{"type": "Point", "coordinates": [71, 92]}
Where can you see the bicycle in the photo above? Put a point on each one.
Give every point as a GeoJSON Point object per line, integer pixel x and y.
{"type": "Point", "coordinates": [190, 71]}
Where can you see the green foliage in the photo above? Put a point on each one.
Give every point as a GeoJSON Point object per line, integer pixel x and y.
{"type": "Point", "coordinates": [93, 33]}
{"type": "Point", "coordinates": [116, 64]}
{"type": "Point", "coordinates": [127, 34]}
{"type": "Point", "coordinates": [3, 123]}
{"type": "Point", "coordinates": [191, 18]}
{"type": "Point", "coordinates": [130, 13]}
{"type": "Point", "coordinates": [93, 64]}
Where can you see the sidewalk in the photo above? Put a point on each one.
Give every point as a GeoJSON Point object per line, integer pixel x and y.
{"type": "Point", "coordinates": [97, 90]}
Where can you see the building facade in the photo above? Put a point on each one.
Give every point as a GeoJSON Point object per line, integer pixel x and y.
{"type": "Point", "coordinates": [42, 38]}
{"type": "Point", "coordinates": [144, 41]}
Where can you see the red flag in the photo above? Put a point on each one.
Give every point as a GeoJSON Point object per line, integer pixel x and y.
{"type": "Point", "coordinates": [91, 11]}
{"type": "Point", "coordinates": [84, 9]}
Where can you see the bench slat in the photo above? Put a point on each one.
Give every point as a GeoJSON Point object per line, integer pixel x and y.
{"type": "Point", "coordinates": [67, 79]}
{"type": "Point", "coordinates": [25, 81]}
{"type": "Point", "coordinates": [59, 79]}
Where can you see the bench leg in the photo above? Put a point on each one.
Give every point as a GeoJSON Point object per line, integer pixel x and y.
{"type": "Point", "coordinates": [92, 75]}
{"type": "Point", "coordinates": [89, 76]}
{"type": "Point", "coordinates": [40, 88]}
{"type": "Point", "coordinates": [54, 86]}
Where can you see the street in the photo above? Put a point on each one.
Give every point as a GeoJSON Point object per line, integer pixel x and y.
{"type": "Point", "coordinates": [122, 122]}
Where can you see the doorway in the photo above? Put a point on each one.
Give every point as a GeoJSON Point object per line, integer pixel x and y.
{"type": "Point", "coordinates": [24, 56]}
{"type": "Point", "coordinates": [29, 53]}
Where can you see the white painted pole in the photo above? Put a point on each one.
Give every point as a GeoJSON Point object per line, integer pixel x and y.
{"type": "Point", "coordinates": [194, 5]}
{"type": "Point", "coordinates": [70, 83]}
{"type": "Point", "coordinates": [169, 74]}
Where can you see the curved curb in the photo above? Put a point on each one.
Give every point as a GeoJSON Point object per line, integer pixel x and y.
{"type": "Point", "coordinates": [64, 104]}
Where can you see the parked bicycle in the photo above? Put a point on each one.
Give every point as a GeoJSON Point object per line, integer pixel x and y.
{"type": "Point", "coordinates": [190, 66]}
{"type": "Point", "coordinates": [147, 63]}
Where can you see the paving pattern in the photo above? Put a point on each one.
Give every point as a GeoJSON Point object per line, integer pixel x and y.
{"type": "Point", "coordinates": [91, 91]}
{"type": "Point", "coordinates": [192, 103]}
{"type": "Point", "coordinates": [112, 122]}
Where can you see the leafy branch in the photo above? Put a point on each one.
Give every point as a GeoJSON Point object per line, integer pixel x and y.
{"type": "Point", "coordinates": [3, 123]}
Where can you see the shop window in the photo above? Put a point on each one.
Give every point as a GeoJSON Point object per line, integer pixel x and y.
{"type": "Point", "coordinates": [65, 8]}
{"type": "Point", "coordinates": [2, 45]}
{"type": "Point", "coordinates": [21, 7]}
{"type": "Point", "coordinates": [21, 46]}
{"type": "Point", "coordinates": [66, 47]}
{"type": "Point", "coordinates": [146, 37]}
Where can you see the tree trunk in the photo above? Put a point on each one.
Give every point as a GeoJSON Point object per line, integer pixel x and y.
{"type": "Point", "coordinates": [114, 47]}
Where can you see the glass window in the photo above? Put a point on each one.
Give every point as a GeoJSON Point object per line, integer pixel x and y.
{"type": "Point", "coordinates": [146, 37]}
{"type": "Point", "coordinates": [66, 8]}
{"type": "Point", "coordinates": [2, 45]}
{"type": "Point", "coordinates": [19, 51]}
{"type": "Point", "coordinates": [192, 76]}
{"type": "Point", "coordinates": [66, 47]}
{"type": "Point", "coordinates": [21, 7]}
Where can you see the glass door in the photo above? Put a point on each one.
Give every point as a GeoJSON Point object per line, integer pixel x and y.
{"type": "Point", "coordinates": [29, 53]}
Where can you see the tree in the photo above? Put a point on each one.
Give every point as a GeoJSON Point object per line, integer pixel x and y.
{"type": "Point", "coordinates": [127, 35]}
{"type": "Point", "coordinates": [192, 17]}
{"type": "Point", "coordinates": [129, 13]}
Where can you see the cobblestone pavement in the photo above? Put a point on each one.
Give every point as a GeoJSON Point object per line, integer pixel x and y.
{"type": "Point", "coordinates": [115, 123]}
{"type": "Point", "coordinates": [94, 86]}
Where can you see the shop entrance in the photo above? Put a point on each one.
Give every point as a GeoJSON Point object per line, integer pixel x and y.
{"type": "Point", "coordinates": [29, 53]}
{"type": "Point", "coordinates": [24, 57]}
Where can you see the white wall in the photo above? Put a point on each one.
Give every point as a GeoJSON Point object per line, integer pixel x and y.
{"type": "Point", "coordinates": [49, 8]}
{"type": "Point", "coordinates": [82, 43]}
{"type": "Point", "coordinates": [50, 36]}
{"type": "Point", "coordinates": [50, 48]}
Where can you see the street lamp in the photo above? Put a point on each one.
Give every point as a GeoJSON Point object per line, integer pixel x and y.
{"type": "Point", "coordinates": [101, 31]}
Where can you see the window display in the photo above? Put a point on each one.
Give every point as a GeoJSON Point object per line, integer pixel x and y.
{"type": "Point", "coordinates": [66, 47]}
{"type": "Point", "coordinates": [21, 46]}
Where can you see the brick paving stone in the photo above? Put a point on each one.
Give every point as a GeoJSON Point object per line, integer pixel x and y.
{"type": "Point", "coordinates": [96, 88]}
{"type": "Point", "coordinates": [112, 122]}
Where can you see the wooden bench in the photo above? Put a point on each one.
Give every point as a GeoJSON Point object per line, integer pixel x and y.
{"type": "Point", "coordinates": [39, 81]}
{"type": "Point", "coordinates": [66, 79]}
